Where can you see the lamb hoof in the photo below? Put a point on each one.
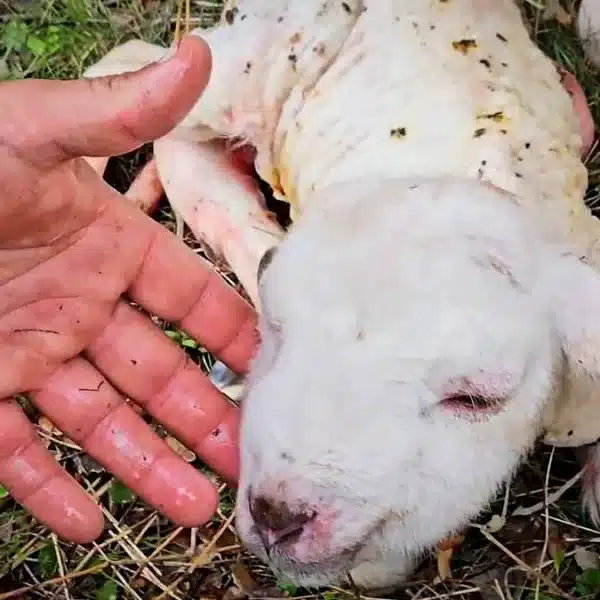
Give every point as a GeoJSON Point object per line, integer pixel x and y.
{"type": "Point", "coordinates": [591, 483]}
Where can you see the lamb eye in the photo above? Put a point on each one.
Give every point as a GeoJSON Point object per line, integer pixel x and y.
{"type": "Point", "coordinates": [472, 405]}
{"type": "Point", "coordinates": [466, 402]}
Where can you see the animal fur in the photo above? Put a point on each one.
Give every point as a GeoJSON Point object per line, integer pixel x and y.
{"type": "Point", "coordinates": [440, 247]}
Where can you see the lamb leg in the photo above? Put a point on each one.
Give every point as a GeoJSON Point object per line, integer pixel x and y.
{"type": "Point", "coordinates": [204, 183]}
{"type": "Point", "coordinates": [220, 202]}
{"type": "Point", "coordinates": [590, 459]}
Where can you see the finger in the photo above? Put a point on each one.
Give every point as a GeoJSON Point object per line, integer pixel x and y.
{"type": "Point", "coordinates": [103, 116]}
{"type": "Point", "coordinates": [195, 297]}
{"type": "Point", "coordinates": [37, 482]}
{"type": "Point", "coordinates": [146, 189]}
{"type": "Point", "coordinates": [82, 404]}
{"type": "Point", "coordinates": [151, 369]}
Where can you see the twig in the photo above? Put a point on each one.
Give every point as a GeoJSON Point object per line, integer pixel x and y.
{"type": "Point", "coordinates": [550, 499]}
{"type": "Point", "coordinates": [61, 566]}
{"type": "Point", "coordinates": [86, 573]}
{"type": "Point", "coordinates": [529, 570]}
{"type": "Point", "coordinates": [199, 560]}
{"type": "Point", "coordinates": [546, 524]}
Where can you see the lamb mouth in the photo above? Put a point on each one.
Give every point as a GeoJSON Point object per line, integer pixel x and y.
{"type": "Point", "coordinates": [330, 571]}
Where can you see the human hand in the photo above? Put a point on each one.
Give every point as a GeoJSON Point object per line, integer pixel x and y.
{"type": "Point", "coordinates": [72, 250]}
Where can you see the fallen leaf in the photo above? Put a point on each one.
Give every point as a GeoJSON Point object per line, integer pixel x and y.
{"type": "Point", "coordinates": [444, 557]}
{"type": "Point", "coordinates": [556, 542]}
{"type": "Point", "coordinates": [556, 547]}
{"type": "Point", "coordinates": [242, 578]}
{"type": "Point", "coordinates": [48, 561]}
{"type": "Point", "coordinates": [204, 556]}
{"type": "Point", "coordinates": [180, 449]}
{"type": "Point", "coordinates": [48, 427]}
{"type": "Point", "coordinates": [586, 559]}
{"type": "Point", "coordinates": [120, 494]}
{"type": "Point", "coordinates": [495, 524]}
{"type": "Point", "coordinates": [445, 550]}
{"type": "Point", "coordinates": [109, 591]}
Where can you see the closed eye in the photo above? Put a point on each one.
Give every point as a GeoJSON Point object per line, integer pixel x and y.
{"type": "Point", "coordinates": [463, 404]}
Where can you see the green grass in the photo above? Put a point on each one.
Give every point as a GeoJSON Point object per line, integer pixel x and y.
{"type": "Point", "coordinates": [141, 553]}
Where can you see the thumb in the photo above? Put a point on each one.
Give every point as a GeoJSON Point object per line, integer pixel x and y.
{"type": "Point", "coordinates": [48, 122]}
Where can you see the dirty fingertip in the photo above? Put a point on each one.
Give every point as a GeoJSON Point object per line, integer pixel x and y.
{"type": "Point", "coordinates": [180, 492]}
{"type": "Point", "coordinates": [220, 449]}
{"type": "Point", "coordinates": [68, 511]}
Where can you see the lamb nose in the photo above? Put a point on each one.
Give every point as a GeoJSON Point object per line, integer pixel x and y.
{"type": "Point", "coordinates": [276, 523]}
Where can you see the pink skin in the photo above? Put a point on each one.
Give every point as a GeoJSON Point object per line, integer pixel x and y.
{"type": "Point", "coordinates": [586, 120]}
{"type": "Point", "coordinates": [146, 190]}
{"type": "Point", "coordinates": [316, 540]}
{"type": "Point", "coordinates": [198, 176]}
{"type": "Point", "coordinates": [74, 253]}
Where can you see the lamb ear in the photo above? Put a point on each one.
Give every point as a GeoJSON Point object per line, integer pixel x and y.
{"type": "Point", "coordinates": [574, 290]}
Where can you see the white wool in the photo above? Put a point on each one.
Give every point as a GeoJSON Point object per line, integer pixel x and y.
{"type": "Point", "coordinates": [431, 158]}
{"type": "Point", "coordinates": [350, 391]}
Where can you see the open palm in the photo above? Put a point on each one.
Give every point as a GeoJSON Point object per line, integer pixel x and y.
{"type": "Point", "coordinates": [72, 253]}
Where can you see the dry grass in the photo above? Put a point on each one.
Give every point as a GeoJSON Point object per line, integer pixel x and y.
{"type": "Point", "coordinates": [546, 549]}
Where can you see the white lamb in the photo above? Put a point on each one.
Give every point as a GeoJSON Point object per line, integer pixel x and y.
{"type": "Point", "coordinates": [434, 308]}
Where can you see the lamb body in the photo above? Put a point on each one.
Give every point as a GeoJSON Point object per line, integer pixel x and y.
{"type": "Point", "coordinates": [440, 250]}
